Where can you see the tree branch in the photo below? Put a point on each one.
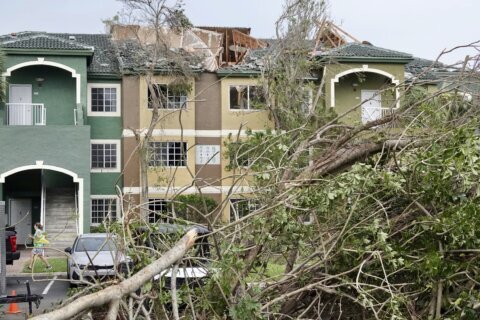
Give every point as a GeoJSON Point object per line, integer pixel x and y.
{"type": "Point", "coordinates": [116, 292]}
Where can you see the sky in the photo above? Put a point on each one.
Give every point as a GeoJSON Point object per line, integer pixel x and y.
{"type": "Point", "coordinates": [421, 27]}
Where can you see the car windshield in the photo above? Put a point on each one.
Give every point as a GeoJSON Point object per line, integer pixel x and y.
{"type": "Point", "coordinates": [95, 244]}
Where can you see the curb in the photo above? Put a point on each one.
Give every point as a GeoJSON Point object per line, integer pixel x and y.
{"type": "Point", "coordinates": [61, 275]}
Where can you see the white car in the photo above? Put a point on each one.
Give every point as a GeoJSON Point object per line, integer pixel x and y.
{"type": "Point", "coordinates": [194, 271]}
{"type": "Point", "coordinates": [94, 255]}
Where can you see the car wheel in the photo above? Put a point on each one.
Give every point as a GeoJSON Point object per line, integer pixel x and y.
{"type": "Point", "coordinates": [73, 278]}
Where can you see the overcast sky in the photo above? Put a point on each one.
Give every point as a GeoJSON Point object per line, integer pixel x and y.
{"type": "Point", "coordinates": [420, 27]}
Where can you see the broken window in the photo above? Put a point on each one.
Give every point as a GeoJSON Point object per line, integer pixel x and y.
{"type": "Point", "coordinates": [167, 97]}
{"type": "Point", "coordinates": [244, 97]}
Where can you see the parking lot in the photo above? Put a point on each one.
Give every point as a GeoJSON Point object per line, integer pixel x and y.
{"type": "Point", "coordinates": [53, 289]}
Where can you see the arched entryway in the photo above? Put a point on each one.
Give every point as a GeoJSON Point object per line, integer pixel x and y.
{"type": "Point", "coordinates": [376, 90]}
{"type": "Point", "coordinates": [46, 194]}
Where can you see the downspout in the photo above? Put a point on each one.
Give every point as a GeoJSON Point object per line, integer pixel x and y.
{"type": "Point", "coordinates": [42, 198]}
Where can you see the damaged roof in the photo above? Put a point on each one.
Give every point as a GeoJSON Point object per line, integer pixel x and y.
{"type": "Point", "coordinates": [253, 63]}
{"type": "Point", "coordinates": [364, 52]}
{"type": "Point", "coordinates": [134, 58]}
{"type": "Point", "coordinates": [427, 70]}
{"type": "Point", "coordinates": [98, 46]}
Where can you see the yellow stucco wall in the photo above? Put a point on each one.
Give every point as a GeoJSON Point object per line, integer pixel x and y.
{"type": "Point", "coordinates": [348, 88]}
{"type": "Point", "coordinates": [233, 119]}
{"type": "Point", "coordinates": [170, 118]}
{"type": "Point", "coordinates": [174, 176]}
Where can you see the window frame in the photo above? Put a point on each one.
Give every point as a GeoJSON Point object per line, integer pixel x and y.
{"type": "Point", "coordinates": [163, 202]}
{"type": "Point", "coordinates": [104, 197]}
{"type": "Point", "coordinates": [185, 160]}
{"type": "Point", "coordinates": [118, 153]}
{"type": "Point", "coordinates": [248, 109]}
{"type": "Point", "coordinates": [182, 105]}
{"type": "Point", "coordinates": [234, 216]}
{"type": "Point", "coordinates": [117, 112]}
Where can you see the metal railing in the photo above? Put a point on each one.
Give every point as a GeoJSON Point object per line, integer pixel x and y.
{"type": "Point", "coordinates": [26, 114]}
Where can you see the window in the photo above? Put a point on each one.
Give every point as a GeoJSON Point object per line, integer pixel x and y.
{"type": "Point", "coordinates": [103, 99]}
{"type": "Point", "coordinates": [168, 154]}
{"type": "Point", "coordinates": [239, 208]}
{"type": "Point", "coordinates": [246, 97]}
{"type": "Point", "coordinates": [105, 155]}
{"type": "Point", "coordinates": [160, 210]}
{"type": "Point", "coordinates": [102, 209]}
{"type": "Point", "coordinates": [170, 98]}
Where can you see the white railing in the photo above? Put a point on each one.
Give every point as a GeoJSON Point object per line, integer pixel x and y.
{"type": "Point", "coordinates": [374, 113]}
{"type": "Point", "coordinates": [26, 114]}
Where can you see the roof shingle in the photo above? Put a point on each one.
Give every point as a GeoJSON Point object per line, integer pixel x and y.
{"type": "Point", "coordinates": [104, 59]}
{"type": "Point", "coordinates": [360, 50]}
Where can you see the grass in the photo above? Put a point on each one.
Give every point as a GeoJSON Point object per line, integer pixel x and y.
{"type": "Point", "coordinates": [274, 270]}
{"type": "Point", "coordinates": [58, 265]}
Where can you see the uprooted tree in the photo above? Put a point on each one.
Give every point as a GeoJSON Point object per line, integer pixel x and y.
{"type": "Point", "coordinates": [352, 220]}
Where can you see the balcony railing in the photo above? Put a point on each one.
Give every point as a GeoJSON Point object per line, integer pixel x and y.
{"type": "Point", "coordinates": [26, 114]}
{"type": "Point", "coordinates": [374, 113]}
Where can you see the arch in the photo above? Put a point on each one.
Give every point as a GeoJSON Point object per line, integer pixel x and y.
{"type": "Point", "coordinates": [364, 68]}
{"type": "Point", "coordinates": [43, 62]}
{"type": "Point", "coordinates": [40, 166]}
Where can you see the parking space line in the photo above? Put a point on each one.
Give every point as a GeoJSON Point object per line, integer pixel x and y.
{"type": "Point", "coordinates": [49, 285]}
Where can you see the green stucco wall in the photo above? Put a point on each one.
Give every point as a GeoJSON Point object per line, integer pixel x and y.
{"type": "Point", "coordinates": [56, 92]}
{"type": "Point", "coordinates": [66, 147]}
{"type": "Point", "coordinates": [106, 128]}
{"type": "Point", "coordinates": [78, 63]}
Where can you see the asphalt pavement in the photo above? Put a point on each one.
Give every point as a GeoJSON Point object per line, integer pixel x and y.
{"type": "Point", "coordinates": [53, 289]}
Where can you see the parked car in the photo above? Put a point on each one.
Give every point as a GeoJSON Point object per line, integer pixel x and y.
{"type": "Point", "coordinates": [194, 270]}
{"type": "Point", "coordinates": [11, 245]}
{"type": "Point", "coordinates": [94, 255]}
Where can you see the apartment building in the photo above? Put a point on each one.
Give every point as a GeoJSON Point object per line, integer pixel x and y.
{"type": "Point", "coordinates": [60, 133]}
{"type": "Point", "coordinates": [78, 106]}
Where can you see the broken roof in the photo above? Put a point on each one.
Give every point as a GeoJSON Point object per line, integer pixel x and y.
{"type": "Point", "coordinates": [99, 46]}
{"type": "Point", "coordinates": [351, 52]}
{"type": "Point", "coordinates": [135, 58]}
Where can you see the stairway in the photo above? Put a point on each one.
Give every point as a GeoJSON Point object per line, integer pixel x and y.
{"type": "Point", "coordinates": [60, 218]}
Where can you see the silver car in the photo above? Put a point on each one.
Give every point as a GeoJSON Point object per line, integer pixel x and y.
{"type": "Point", "coordinates": [94, 255]}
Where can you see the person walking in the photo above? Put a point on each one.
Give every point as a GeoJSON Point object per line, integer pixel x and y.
{"type": "Point", "coordinates": [39, 242]}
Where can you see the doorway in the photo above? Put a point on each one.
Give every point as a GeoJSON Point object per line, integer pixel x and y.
{"type": "Point", "coordinates": [20, 104]}
{"type": "Point", "coordinates": [371, 105]}
{"type": "Point", "coordinates": [21, 218]}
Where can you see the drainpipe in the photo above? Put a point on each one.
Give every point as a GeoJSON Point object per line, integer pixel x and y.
{"type": "Point", "coordinates": [42, 199]}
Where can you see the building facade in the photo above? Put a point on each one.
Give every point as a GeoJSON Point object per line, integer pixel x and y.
{"type": "Point", "coordinates": [77, 110]}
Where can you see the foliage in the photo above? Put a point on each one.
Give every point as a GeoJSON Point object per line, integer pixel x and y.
{"type": "Point", "coordinates": [194, 207]}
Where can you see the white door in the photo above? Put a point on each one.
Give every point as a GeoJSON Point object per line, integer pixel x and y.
{"type": "Point", "coordinates": [20, 109]}
{"type": "Point", "coordinates": [371, 105]}
{"type": "Point", "coordinates": [21, 218]}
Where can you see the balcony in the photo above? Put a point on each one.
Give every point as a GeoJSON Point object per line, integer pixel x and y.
{"type": "Point", "coordinates": [373, 113]}
{"type": "Point", "coordinates": [25, 114]}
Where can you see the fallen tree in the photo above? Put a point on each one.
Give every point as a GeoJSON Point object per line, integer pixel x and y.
{"type": "Point", "coordinates": [113, 294]}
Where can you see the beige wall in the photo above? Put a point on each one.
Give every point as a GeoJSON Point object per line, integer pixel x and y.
{"type": "Point", "coordinates": [233, 119]}
{"type": "Point", "coordinates": [170, 119]}
{"type": "Point", "coordinates": [347, 96]}
{"type": "Point", "coordinates": [174, 176]}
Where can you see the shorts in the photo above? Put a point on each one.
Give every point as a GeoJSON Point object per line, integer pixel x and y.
{"type": "Point", "coordinates": [38, 251]}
